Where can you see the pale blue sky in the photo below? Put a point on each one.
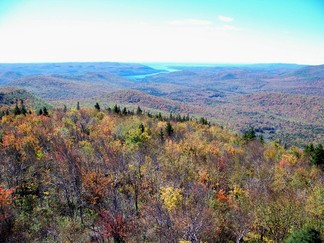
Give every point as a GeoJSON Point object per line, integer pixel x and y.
{"type": "Point", "coordinates": [208, 31]}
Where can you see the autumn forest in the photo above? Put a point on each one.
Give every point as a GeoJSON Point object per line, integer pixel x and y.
{"type": "Point", "coordinates": [117, 175]}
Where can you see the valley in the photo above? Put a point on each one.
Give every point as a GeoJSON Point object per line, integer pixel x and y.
{"type": "Point", "coordinates": [283, 102]}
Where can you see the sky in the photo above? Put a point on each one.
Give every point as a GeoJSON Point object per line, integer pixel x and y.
{"type": "Point", "coordinates": [186, 31]}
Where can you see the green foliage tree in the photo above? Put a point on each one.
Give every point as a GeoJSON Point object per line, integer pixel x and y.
{"type": "Point", "coordinates": [116, 109]}
{"type": "Point", "coordinates": [139, 111]}
{"type": "Point", "coordinates": [249, 135]}
{"type": "Point", "coordinates": [161, 134]}
{"type": "Point", "coordinates": [203, 121]}
{"type": "Point", "coordinates": [317, 157]}
{"type": "Point", "coordinates": [316, 154]}
{"type": "Point", "coordinates": [169, 129]}
{"type": "Point", "coordinates": [45, 111]}
{"type": "Point", "coordinates": [17, 110]}
{"type": "Point", "coordinates": [141, 127]}
{"type": "Point", "coordinates": [306, 235]}
{"type": "Point", "coordinates": [159, 116]}
{"type": "Point", "coordinates": [40, 112]}
{"type": "Point", "coordinates": [124, 112]}
{"type": "Point", "coordinates": [97, 106]}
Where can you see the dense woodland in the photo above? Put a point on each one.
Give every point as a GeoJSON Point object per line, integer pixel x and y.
{"type": "Point", "coordinates": [113, 175]}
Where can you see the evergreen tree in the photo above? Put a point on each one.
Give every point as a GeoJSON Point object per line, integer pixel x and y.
{"type": "Point", "coordinates": [161, 135]}
{"type": "Point", "coordinates": [64, 109]}
{"type": "Point", "coordinates": [139, 111]}
{"type": "Point", "coordinates": [261, 139]}
{"type": "Point", "coordinates": [124, 112]}
{"type": "Point", "coordinates": [203, 121]}
{"type": "Point", "coordinates": [40, 112]}
{"type": "Point", "coordinates": [45, 112]}
{"type": "Point", "coordinates": [116, 109]}
{"type": "Point", "coordinates": [97, 106]}
{"type": "Point", "coordinates": [159, 116]}
{"type": "Point", "coordinates": [315, 153]}
{"type": "Point", "coordinates": [141, 127]}
{"type": "Point", "coordinates": [309, 149]}
{"type": "Point", "coordinates": [17, 110]}
{"type": "Point", "coordinates": [317, 157]}
{"type": "Point", "coordinates": [23, 110]}
{"type": "Point", "coordinates": [249, 135]}
{"type": "Point", "coordinates": [307, 235]}
{"type": "Point", "coordinates": [78, 106]}
{"type": "Point", "coordinates": [169, 129]}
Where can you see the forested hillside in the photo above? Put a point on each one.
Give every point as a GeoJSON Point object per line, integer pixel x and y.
{"type": "Point", "coordinates": [90, 174]}
{"type": "Point", "coordinates": [10, 96]}
{"type": "Point", "coordinates": [283, 102]}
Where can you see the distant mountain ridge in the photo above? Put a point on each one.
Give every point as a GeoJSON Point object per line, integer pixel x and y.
{"type": "Point", "coordinates": [74, 68]}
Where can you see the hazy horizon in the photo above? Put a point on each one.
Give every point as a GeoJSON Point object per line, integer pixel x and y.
{"type": "Point", "coordinates": [199, 32]}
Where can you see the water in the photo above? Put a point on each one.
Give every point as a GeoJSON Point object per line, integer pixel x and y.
{"type": "Point", "coordinates": [160, 67]}
{"type": "Point", "coordinates": [171, 67]}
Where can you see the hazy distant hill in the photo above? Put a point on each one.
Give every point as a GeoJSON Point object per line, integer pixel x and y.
{"type": "Point", "coordinates": [61, 87]}
{"type": "Point", "coordinates": [311, 71]}
{"type": "Point", "coordinates": [6, 77]}
{"type": "Point", "coordinates": [244, 79]}
{"type": "Point", "coordinates": [122, 69]}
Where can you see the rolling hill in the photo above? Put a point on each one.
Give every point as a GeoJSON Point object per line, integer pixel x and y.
{"type": "Point", "coordinates": [282, 101]}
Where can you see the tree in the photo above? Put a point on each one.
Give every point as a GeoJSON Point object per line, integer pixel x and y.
{"type": "Point", "coordinates": [309, 149]}
{"type": "Point", "coordinates": [141, 127]}
{"type": "Point", "coordinates": [97, 106]}
{"type": "Point", "coordinates": [116, 109]}
{"type": "Point", "coordinates": [45, 112]}
{"type": "Point", "coordinates": [124, 112]}
{"type": "Point", "coordinates": [316, 154]}
{"type": "Point", "coordinates": [169, 129]}
{"type": "Point", "coordinates": [78, 106]}
{"type": "Point", "coordinates": [23, 108]}
{"type": "Point", "coordinates": [317, 157]}
{"type": "Point", "coordinates": [203, 121]}
{"type": "Point", "coordinates": [115, 226]}
{"type": "Point", "coordinates": [249, 135]}
{"type": "Point", "coordinates": [159, 116]}
{"type": "Point", "coordinates": [17, 110]}
{"type": "Point", "coordinates": [6, 206]}
{"type": "Point", "coordinates": [139, 111]}
{"type": "Point", "coordinates": [161, 134]}
{"type": "Point", "coordinates": [307, 235]}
